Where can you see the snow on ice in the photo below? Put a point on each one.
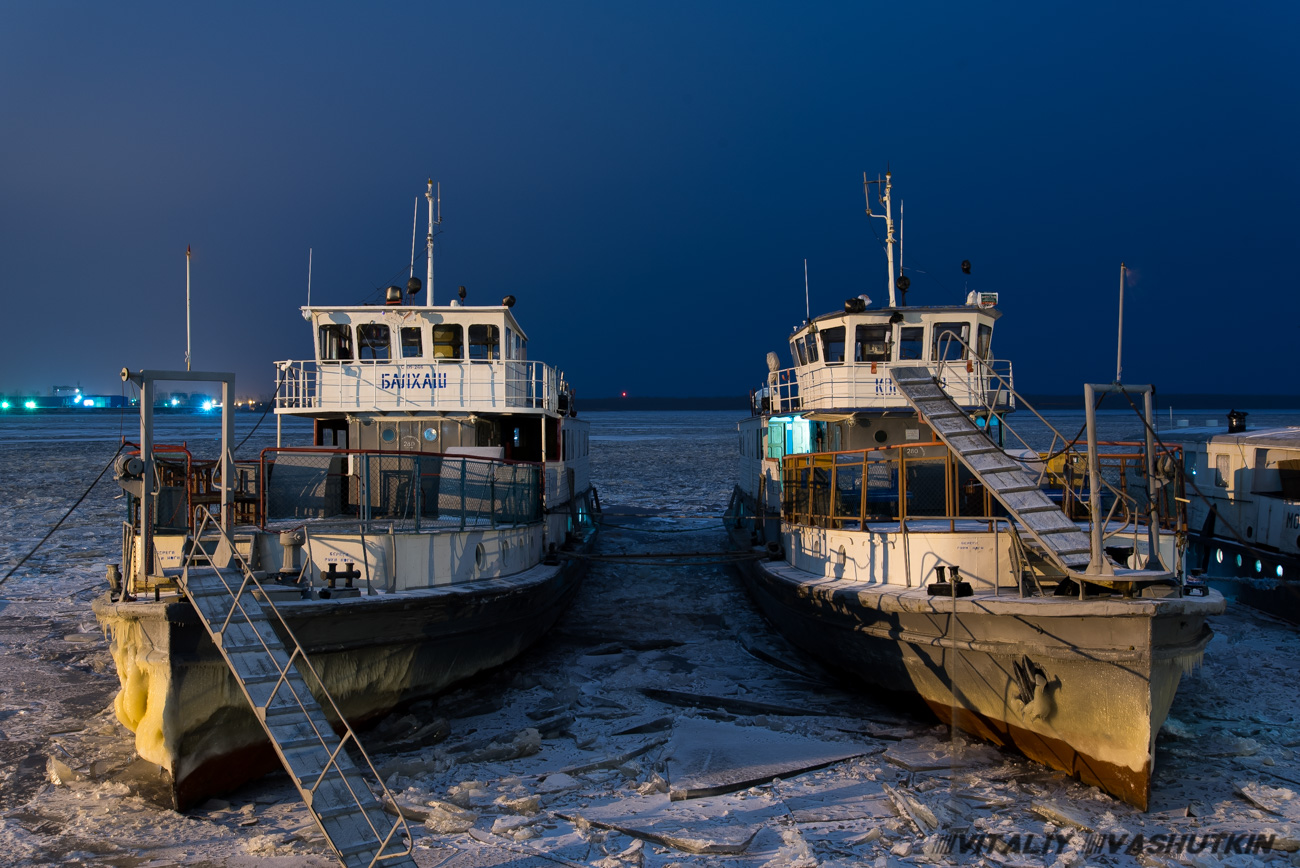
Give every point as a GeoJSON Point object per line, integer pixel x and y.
{"type": "Point", "coordinates": [660, 682]}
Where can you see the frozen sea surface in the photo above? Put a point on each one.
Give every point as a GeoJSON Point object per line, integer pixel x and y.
{"type": "Point", "coordinates": [661, 680]}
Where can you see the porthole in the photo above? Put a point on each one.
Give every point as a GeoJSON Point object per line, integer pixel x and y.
{"type": "Point", "coordinates": [388, 435]}
{"type": "Point", "coordinates": [1250, 531]}
{"type": "Point", "coordinates": [1279, 571]}
{"type": "Point", "coordinates": [1259, 566]}
{"type": "Point", "coordinates": [431, 434]}
{"type": "Point", "coordinates": [1238, 560]}
{"type": "Point", "coordinates": [480, 557]}
{"type": "Point", "coordinates": [1218, 556]}
{"type": "Point", "coordinates": [881, 436]}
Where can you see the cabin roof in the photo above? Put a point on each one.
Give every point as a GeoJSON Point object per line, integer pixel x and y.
{"type": "Point", "coordinates": [459, 313]}
{"type": "Point", "coordinates": [1286, 437]}
{"type": "Point", "coordinates": [885, 313]}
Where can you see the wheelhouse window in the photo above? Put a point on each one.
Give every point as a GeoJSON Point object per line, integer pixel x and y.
{"type": "Point", "coordinates": [372, 342]}
{"type": "Point", "coordinates": [949, 340]}
{"type": "Point", "coordinates": [447, 342]}
{"type": "Point", "coordinates": [812, 347]}
{"type": "Point", "coordinates": [412, 342]}
{"type": "Point", "coordinates": [871, 343]}
{"type": "Point", "coordinates": [336, 342]}
{"type": "Point", "coordinates": [984, 344]}
{"type": "Point", "coordinates": [484, 342]}
{"type": "Point", "coordinates": [833, 345]}
{"type": "Point", "coordinates": [510, 343]}
{"type": "Point", "coordinates": [521, 347]}
{"type": "Point", "coordinates": [911, 343]}
{"type": "Point", "coordinates": [800, 354]}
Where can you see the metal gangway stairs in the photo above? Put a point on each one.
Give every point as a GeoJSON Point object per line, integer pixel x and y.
{"type": "Point", "coordinates": [1008, 480]}
{"type": "Point", "coordinates": [273, 675]}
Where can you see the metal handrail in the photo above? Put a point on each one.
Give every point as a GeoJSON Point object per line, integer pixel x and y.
{"type": "Point", "coordinates": [858, 384]}
{"type": "Point", "coordinates": [426, 384]}
{"type": "Point", "coordinates": [237, 606]}
{"type": "Point", "coordinates": [834, 461]}
{"type": "Point", "coordinates": [1068, 446]}
{"type": "Point", "coordinates": [491, 464]}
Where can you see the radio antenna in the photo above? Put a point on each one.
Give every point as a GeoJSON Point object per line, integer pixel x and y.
{"type": "Point", "coordinates": [807, 312]}
{"type": "Point", "coordinates": [885, 186]}
{"type": "Point", "coordinates": [435, 204]}
{"type": "Point", "coordinates": [415, 223]}
{"type": "Point", "coordinates": [308, 277]}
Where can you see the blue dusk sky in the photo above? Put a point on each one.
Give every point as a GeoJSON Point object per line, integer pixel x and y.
{"type": "Point", "coordinates": [648, 179]}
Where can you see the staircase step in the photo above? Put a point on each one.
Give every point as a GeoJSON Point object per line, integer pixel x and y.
{"type": "Point", "coordinates": [342, 800]}
{"type": "Point", "coordinates": [1039, 508]}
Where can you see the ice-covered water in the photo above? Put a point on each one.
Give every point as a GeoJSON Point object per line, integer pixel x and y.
{"type": "Point", "coordinates": [1226, 762]}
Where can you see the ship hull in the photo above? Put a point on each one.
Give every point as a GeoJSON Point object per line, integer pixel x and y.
{"type": "Point", "coordinates": [1263, 580]}
{"type": "Point", "coordinates": [1110, 667]}
{"type": "Point", "coordinates": [373, 653]}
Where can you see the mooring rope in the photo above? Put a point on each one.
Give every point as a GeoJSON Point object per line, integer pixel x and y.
{"type": "Point", "coordinates": [60, 522]}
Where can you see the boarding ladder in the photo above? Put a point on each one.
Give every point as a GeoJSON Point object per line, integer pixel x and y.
{"type": "Point", "coordinates": [1006, 479]}
{"type": "Point", "coordinates": [273, 675]}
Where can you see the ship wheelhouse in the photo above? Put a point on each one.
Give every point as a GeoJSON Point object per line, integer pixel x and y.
{"type": "Point", "coordinates": [448, 380]}
{"type": "Point", "coordinates": [843, 360]}
{"type": "Point", "coordinates": [840, 395]}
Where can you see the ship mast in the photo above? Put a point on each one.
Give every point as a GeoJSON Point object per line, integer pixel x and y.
{"type": "Point", "coordinates": [435, 202]}
{"type": "Point", "coordinates": [888, 217]}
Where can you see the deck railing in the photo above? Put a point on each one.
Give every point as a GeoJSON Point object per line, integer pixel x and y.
{"type": "Point", "coordinates": [416, 490]}
{"type": "Point", "coordinates": [310, 386]}
{"type": "Point", "coordinates": [924, 480]}
{"type": "Point", "coordinates": [869, 385]}
{"type": "Point", "coordinates": [411, 490]}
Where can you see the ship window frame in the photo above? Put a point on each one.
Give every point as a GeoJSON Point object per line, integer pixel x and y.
{"type": "Point", "coordinates": [406, 332]}
{"type": "Point", "coordinates": [813, 356]}
{"type": "Point", "coordinates": [798, 351]}
{"type": "Point", "coordinates": [369, 340]}
{"type": "Point", "coordinates": [911, 339]}
{"type": "Point", "coordinates": [488, 345]}
{"type": "Point", "coordinates": [862, 341]}
{"type": "Point", "coordinates": [962, 330]}
{"type": "Point", "coordinates": [335, 342]}
{"type": "Point", "coordinates": [455, 345]}
{"type": "Point", "coordinates": [829, 342]}
{"type": "Point", "coordinates": [1223, 471]}
{"type": "Point", "coordinates": [984, 341]}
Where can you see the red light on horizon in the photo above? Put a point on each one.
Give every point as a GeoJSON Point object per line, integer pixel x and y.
{"type": "Point", "coordinates": [625, 394]}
